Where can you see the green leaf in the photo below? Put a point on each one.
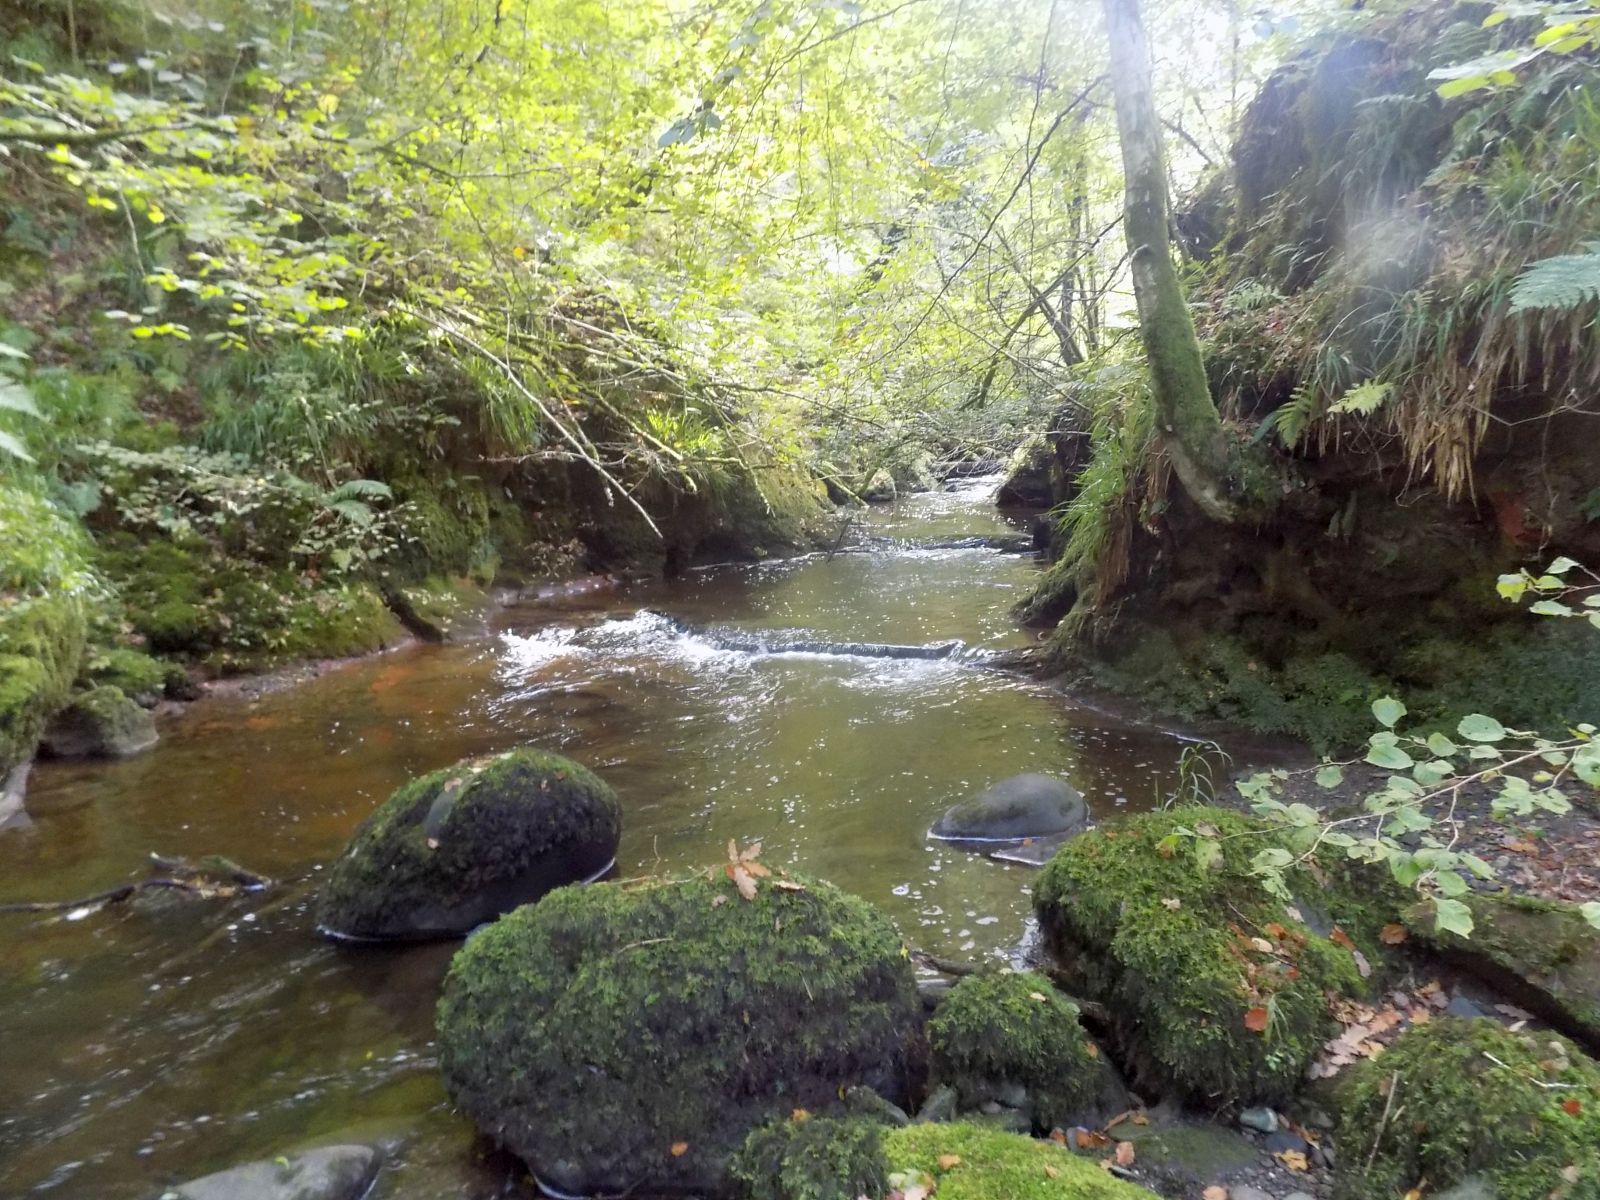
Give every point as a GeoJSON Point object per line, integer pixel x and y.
{"type": "Point", "coordinates": [1478, 728]}
{"type": "Point", "coordinates": [1591, 912]}
{"type": "Point", "coordinates": [1441, 746]}
{"type": "Point", "coordinates": [16, 398]}
{"type": "Point", "coordinates": [1208, 854]}
{"type": "Point", "coordinates": [1271, 859]}
{"type": "Point", "coordinates": [1550, 608]}
{"type": "Point", "coordinates": [1388, 710]}
{"type": "Point", "coordinates": [13, 447]}
{"type": "Point", "coordinates": [1560, 566]}
{"type": "Point", "coordinates": [1452, 916]}
{"type": "Point", "coordinates": [1391, 758]}
{"type": "Point", "coordinates": [1511, 587]}
{"type": "Point", "coordinates": [1330, 776]}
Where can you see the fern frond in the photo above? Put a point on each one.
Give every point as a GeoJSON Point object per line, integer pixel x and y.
{"type": "Point", "coordinates": [1294, 415]}
{"type": "Point", "coordinates": [1565, 281]}
{"type": "Point", "coordinates": [1364, 399]}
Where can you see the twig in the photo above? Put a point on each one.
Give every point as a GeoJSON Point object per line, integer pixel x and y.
{"type": "Point", "coordinates": [1388, 1105]}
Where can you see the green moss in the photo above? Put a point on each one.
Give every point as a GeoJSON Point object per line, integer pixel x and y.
{"type": "Point", "coordinates": [813, 1158]}
{"type": "Point", "coordinates": [1165, 941]}
{"type": "Point", "coordinates": [1543, 949]}
{"type": "Point", "coordinates": [134, 672]}
{"type": "Point", "coordinates": [597, 1031]}
{"type": "Point", "coordinates": [45, 593]}
{"type": "Point", "coordinates": [1015, 1027]}
{"type": "Point", "coordinates": [100, 723]}
{"type": "Point", "coordinates": [1000, 1166]}
{"type": "Point", "coordinates": [457, 847]}
{"type": "Point", "coordinates": [1474, 1099]}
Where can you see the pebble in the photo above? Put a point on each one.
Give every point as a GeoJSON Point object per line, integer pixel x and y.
{"type": "Point", "coordinates": [1299, 1196]}
{"type": "Point", "coordinates": [1282, 1140]}
{"type": "Point", "coordinates": [1262, 1120]}
{"type": "Point", "coordinates": [1246, 1192]}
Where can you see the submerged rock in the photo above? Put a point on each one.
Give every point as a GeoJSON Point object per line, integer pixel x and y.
{"type": "Point", "coordinates": [825, 1159]}
{"type": "Point", "coordinates": [101, 723]}
{"type": "Point", "coordinates": [626, 1040]}
{"type": "Point", "coordinates": [1023, 806]}
{"type": "Point", "coordinates": [1168, 941]}
{"type": "Point", "coordinates": [1012, 1038]}
{"type": "Point", "coordinates": [1516, 1114]}
{"type": "Point", "coordinates": [461, 846]}
{"type": "Point", "coordinates": [325, 1173]}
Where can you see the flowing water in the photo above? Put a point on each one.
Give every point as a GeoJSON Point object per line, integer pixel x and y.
{"type": "Point", "coordinates": [140, 1047]}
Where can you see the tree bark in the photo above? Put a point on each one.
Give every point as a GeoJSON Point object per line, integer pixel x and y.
{"type": "Point", "coordinates": [1187, 418]}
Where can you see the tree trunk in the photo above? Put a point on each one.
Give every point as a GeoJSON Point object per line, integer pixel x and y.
{"type": "Point", "coordinates": [1190, 427]}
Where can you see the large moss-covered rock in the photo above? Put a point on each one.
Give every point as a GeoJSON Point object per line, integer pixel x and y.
{"type": "Point", "coordinates": [1183, 950]}
{"type": "Point", "coordinates": [998, 1032]}
{"type": "Point", "coordinates": [844, 1160]}
{"type": "Point", "coordinates": [460, 846]}
{"type": "Point", "coordinates": [43, 584]}
{"type": "Point", "coordinates": [1517, 1111]}
{"type": "Point", "coordinates": [628, 1039]}
{"type": "Point", "coordinates": [1541, 952]}
{"type": "Point", "coordinates": [100, 723]}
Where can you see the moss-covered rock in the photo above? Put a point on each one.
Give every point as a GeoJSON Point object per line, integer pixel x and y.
{"type": "Point", "coordinates": [1543, 953]}
{"type": "Point", "coordinates": [627, 1040]}
{"type": "Point", "coordinates": [826, 1159]}
{"type": "Point", "coordinates": [1182, 944]}
{"type": "Point", "coordinates": [460, 846]}
{"type": "Point", "coordinates": [101, 723]}
{"type": "Point", "coordinates": [1518, 1110]}
{"type": "Point", "coordinates": [44, 589]}
{"type": "Point", "coordinates": [879, 489]}
{"type": "Point", "coordinates": [1015, 1028]}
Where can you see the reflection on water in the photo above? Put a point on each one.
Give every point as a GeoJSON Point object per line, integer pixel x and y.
{"type": "Point", "coordinates": [139, 1047]}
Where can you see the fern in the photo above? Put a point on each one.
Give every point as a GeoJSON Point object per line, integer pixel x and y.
{"type": "Point", "coordinates": [1565, 281]}
{"type": "Point", "coordinates": [1364, 399]}
{"type": "Point", "coordinates": [1291, 418]}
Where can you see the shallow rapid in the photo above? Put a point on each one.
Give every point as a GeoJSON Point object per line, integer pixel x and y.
{"type": "Point", "coordinates": [144, 1046]}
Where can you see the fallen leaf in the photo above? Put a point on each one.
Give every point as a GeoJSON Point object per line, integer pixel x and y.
{"type": "Point", "coordinates": [788, 885]}
{"type": "Point", "coordinates": [1214, 1193]}
{"type": "Point", "coordinates": [1572, 1107]}
{"type": "Point", "coordinates": [745, 882]}
{"type": "Point", "coordinates": [1124, 1154]}
{"type": "Point", "coordinates": [1050, 1172]}
{"type": "Point", "coordinates": [1261, 944]}
{"type": "Point", "coordinates": [679, 1149]}
{"type": "Point", "coordinates": [1058, 1136]}
{"type": "Point", "coordinates": [1094, 1051]}
{"type": "Point", "coordinates": [1393, 935]}
{"type": "Point", "coordinates": [1255, 1019]}
{"type": "Point", "coordinates": [1119, 1119]}
{"type": "Point", "coordinates": [800, 1114]}
{"type": "Point", "coordinates": [1363, 967]}
{"type": "Point", "coordinates": [718, 900]}
{"type": "Point", "coordinates": [1340, 938]}
{"type": "Point", "coordinates": [1172, 903]}
{"type": "Point", "coordinates": [1414, 1194]}
{"type": "Point", "coordinates": [1139, 1118]}
{"type": "Point", "coordinates": [1089, 1139]}
{"type": "Point", "coordinates": [949, 1161]}
{"type": "Point", "coordinates": [1293, 1159]}
{"type": "Point", "coordinates": [1039, 996]}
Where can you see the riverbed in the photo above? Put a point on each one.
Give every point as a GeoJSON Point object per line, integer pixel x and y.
{"type": "Point", "coordinates": [140, 1047]}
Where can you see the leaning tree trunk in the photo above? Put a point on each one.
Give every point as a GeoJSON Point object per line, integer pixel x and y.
{"type": "Point", "coordinates": [1185, 414]}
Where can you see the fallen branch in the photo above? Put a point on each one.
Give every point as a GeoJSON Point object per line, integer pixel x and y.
{"type": "Point", "coordinates": [211, 877]}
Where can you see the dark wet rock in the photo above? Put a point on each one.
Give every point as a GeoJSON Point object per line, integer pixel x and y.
{"type": "Point", "coordinates": [1262, 1119]}
{"type": "Point", "coordinates": [942, 1104]}
{"type": "Point", "coordinates": [1481, 1102]}
{"type": "Point", "coordinates": [1024, 806]}
{"type": "Point", "coordinates": [864, 1102]}
{"type": "Point", "coordinates": [325, 1173]}
{"type": "Point", "coordinates": [879, 489]}
{"type": "Point", "coordinates": [915, 474]}
{"type": "Point", "coordinates": [593, 1032]}
{"type": "Point", "coordinates": [459, 847]}
{"type": "Point", "coordinates": [1543, 954]}
{"type": "Point", "coordinates": [101, 723]}
{"type": "Point", "coordinates": [933, 990]}
{"type": "Point", "coordinates": [1027, 483]}
{"type": "Point", "coordinates": [1004, 1035]}
{"type": "Point", "coordinates": [1280, 1140]}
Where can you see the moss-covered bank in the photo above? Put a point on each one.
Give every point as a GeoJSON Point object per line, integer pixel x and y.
{"type": "Point", "coordinates": [1217, 991]}
{"type": "Point", "coordinates": [627, 1039]}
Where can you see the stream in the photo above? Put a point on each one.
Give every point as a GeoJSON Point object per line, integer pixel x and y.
{"type": "Point", "coordinates": [140, 1047]}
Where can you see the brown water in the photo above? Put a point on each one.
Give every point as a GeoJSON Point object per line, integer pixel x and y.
{"type": "Point", "coordinates": [139, 1048]}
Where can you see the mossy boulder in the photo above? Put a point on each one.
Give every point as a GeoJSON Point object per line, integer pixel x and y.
{"type": "Point", "coordinates": [879, 489]}
{"type": "Point", "coordinates": [1184, 946]}
{"type": "Point", "coordinates": [628, 1039]}
{"type": "Point", "coordinates": [1028, 483]}
{"type": "Point", "coordinates": [1023, 806]}
{"type": "Point", "coordinates": [136, 674]}
{"type": "Point", "coordinates": [100, 723]}
{"type": "Point", "coordinates": [997, 1032]}
{"type": "Point", "coordinates": [844, 1160]}
{"type": "Point", "coordinates": [462, 845]}
{"type": "Point", "coordinates": [44, 585]}
{"type": "Point", "coordinates": [1517, 1111]}
{"type": "Point", "coordinates": [1543, 953]}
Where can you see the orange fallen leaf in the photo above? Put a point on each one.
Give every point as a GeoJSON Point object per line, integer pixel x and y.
{"type": "Point", "coordinates": [1124, 1154]}
{"type": "Point", "coordinates": [679, 1149]}
{"type": "Point", "coordinates": [1293, 1159]}
{"type": "Point", "coordinates": [1094, 1051]}
{"type": "Point", "coordinates": [1393, 935]}
{"type": "Point", "coordinates": [1340, 938]}
{"type": "Point", "coordinates": [1414, 1194]}
{"type": "Point", "coordinates": [1089, 1139]}
{"type": "Point", "coordinates": [1050, 1172]}
{"type": "Point", "coordinates": [1214, 1193]}
{"type": "Point", "coordinates": [949, 1161]}
{"type": "Point", "coordinates": [800, 1114]}
{"type": "Point", "coordinates": [1572, 1107]}
{"type": "Point", "coordinates": [1256, 1019]}
{"type": "Point", "coordinates": [1058, 1136]}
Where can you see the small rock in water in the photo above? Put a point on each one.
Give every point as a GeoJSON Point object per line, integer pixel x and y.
{"type": "Point", "coordinates": [1023, 806]}
{"type": "Point", "coordinates": [1262, 1120]}
{"type": "Point", "coordinates": [326, 1173]}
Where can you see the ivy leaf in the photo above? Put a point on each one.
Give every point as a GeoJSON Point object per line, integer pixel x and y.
{"type": "Point", "coordinates": [1476, 727]}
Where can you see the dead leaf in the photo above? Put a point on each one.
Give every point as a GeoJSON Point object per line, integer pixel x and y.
{"type": "Point", "coordinates": [1039, 996]}
{"type": "Point", "coordinates": [745, 882]}
{"type": "Point", "coordinates": [949, 1162]}
{"type": "Point", "coordinates": [1261, 944]}
{"type": "Point", "coordinates": [1256, 1019]}
{"type": "Point", "coordinates": [1414, 1194]}
{"type": "Point", "coordinates": [1094, 1051]}
{"type": "Point", "coordinates": [1058, 1136]}
{"type": "Point", "coordinates": [788, 885]}
{"type": "Point", "coordinates": [679, 1149]}
{"type": "Point", "coordinates": [1140, 1118]}
{"type": "Point", "coordinates": [1340, 938]}
{"type": "Point", "coordinates": [1172, 903]}
{"type": "Point", "coordinates": [1363, 967]}
{"type": "Point", "coordinates": [1572, 1107]}
{"type": "Point", "coordinates": [1293, 1159]}
{"type": "Point", "coordinates": [1393, 935]}
{"type": "Point", "coordinates": [1124, 1154]}
{"type": "Point", "coordinates": [1214, 1192]}
{"type": "Point", "coordinates": [718, 900]}
{"type": "Point", "coordinates": [1051, 1172]}
{"type": "Point", "coordinates": [800, 1114]}
{"type": "Point", "coordinates": [1089, 1139]}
